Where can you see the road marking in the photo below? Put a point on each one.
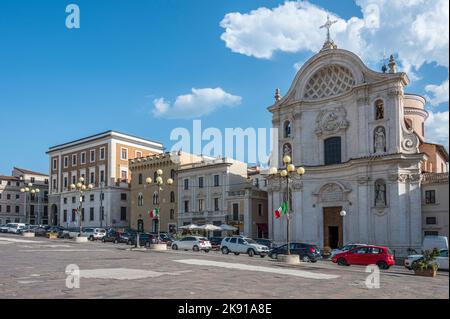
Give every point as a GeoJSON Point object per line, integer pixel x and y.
{"type": "Point", "coordinates": [278, 271]}
{"type": "Point", "coordinates": [12, 240]}
{"type": "Point", "coordinates": [63, 250]}
{"type": "Point", "coordinates": [125, 274]}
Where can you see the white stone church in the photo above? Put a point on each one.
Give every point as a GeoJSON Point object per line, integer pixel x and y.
{"type": "Point", "coordinates": [357, 133]}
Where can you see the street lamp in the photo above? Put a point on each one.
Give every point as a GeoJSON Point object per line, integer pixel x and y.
{"type": "Point", "coordinates": [288, 172]}
{"type": "Point", "coordinates": [81, 188]}
{"type": "Point", "coordinates": [29, 190]}
{"type": "Point", "coordinates": [159, 183]}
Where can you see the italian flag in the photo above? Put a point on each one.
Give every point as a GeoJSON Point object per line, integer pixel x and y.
{"type": "Point", "coordinates": [154, 213]}
{"type": "Point", "coordinates": [282, 210]}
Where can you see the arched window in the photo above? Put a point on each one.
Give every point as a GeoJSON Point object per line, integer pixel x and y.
{"type": "Point", "coordinates": [140, 179]}
{"type": "Point", "coordinates": [140, 200]}
{"type": "Point", "coordinates": [173, 174]}
{"type": "Point", "coordinates": [155, 198]}
{"type": "Point", "coordinates": [379, 110]}
{"type": "Point", "coordinates": [380, 193]}
{"type": "Point", "coordinates": [172, 197]}
{"type": "Point", "coordinates": [287, 129]}
{"type": "Point", "coordinates": [333, 153]}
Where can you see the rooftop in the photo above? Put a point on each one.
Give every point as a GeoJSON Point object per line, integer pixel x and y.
{"type": "Point", "coordinates": [110, 133]}
{"type": "Point", "coordinates": [28, 172]}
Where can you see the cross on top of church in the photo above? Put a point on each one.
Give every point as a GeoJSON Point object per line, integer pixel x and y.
{"type": "Point", "coordinates": [328, 43]}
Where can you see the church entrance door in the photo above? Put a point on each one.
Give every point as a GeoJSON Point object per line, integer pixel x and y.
{"type": "Point", "coordinates": [333, 226]}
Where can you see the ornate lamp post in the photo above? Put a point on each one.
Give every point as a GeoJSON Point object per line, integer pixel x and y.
{"type": "Point", "coordinates": [81, 188]}
{"type": "Point", "coordinates": [28, 190]}
{"type": "Point", "coordinates": [288, 172]}
{"type": "Point", "coordinates": [159, 183]}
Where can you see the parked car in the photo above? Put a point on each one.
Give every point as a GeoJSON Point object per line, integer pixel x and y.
{"type": "Point", "coordinates": [215, 242]}
{"type": "Point", "coordinates": [56, 230]}
{"type": "Point", "coordinates": [70, 233]}
{"type": "Point", "coordinates": [194, 243]}
{"type": "Point", "coordinates": [307, 252]}
{"type": "Point", "coordinates": [112, 236]}
{"type": "Point", "coordinates": [442, 260]}
{"type": "Point", "coordinates": [16, 228]}
{"type": "Point", "coordinates": [432, 242]}
{"type": "Point", "coordinates": [144, 239]}
{"type": "Point", "coordinates": [266, 242]}
{"type": "Point", "coordinates": [4, 228]}
{"type": "Point", "coordinates": [345, 248]}
{"type": "Point", "coordinates": [241, 245]}
{"type": "Point", "coordinates": [383, 257]}
{"type": "Point", "coordinates": [94, 233]}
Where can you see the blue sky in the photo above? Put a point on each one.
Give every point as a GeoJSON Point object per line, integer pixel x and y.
{"type": "Point", "coordinates": [58, 84]}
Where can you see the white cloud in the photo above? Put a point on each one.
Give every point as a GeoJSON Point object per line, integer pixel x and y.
{"type": "Point", "coordinates": [417, 30]}
{"type": "Point", "coordinates": [440, 93]}
{"type": "Point", "coordinates": [198, 103]}
{"type": "Point", "coordinates": [436, 128]}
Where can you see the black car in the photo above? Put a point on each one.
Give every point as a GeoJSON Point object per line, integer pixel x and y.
{"type": "Point", "coordinates": [266, 242]}
{"type": "Point", "coordinates": [41, 231]}
{"type": "Point", "coordinates": [215, 242]}
{"type": "Point", "coordinates": [113, 236]}
{"type": "Point", "coordinates": [144, 239]}
{"type": "Point", "coordinates": [307, 252]}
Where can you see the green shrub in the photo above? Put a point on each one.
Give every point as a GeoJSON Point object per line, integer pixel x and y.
{"type": "Point", "coordinates": [428, 261]}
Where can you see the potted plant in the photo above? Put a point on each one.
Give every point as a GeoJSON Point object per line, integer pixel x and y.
{"type": "Point", "coordinates": [426, 266]}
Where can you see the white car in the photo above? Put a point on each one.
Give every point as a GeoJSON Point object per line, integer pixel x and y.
{"type": "Point", "coordinates": [194, 243]}
{"type": "Point", "coordinates": [242, 245]}
{"type": "Point", "coordinates": [16, 228]}
{"type": "Point", "coordinates": [442, 260]}
{"type": "Point", "coordinates": [94, 233]}
{"type": "Point", "coordinates": [345, 248]}
{"type": "Point", "coordinates": [4, 228]}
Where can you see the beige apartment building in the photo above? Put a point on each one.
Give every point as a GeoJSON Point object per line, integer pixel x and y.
{"type": "Point", "coordinates": [435, 204]}
{"type": "Point", "coordinates": [219, 191]}
{"type": "Point", "coordinates": [14, 207]}
{"type": "Point", "coordinates": [103, 161]}
{"type": "Point", "coordinates": [145, 197]}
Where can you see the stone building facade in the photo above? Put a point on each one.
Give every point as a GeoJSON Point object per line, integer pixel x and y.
{"type": "Point", "coordinates": [346, 124]}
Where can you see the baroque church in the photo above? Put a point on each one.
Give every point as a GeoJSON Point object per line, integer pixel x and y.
{"type": "Point", "coordinates": [358, 135]}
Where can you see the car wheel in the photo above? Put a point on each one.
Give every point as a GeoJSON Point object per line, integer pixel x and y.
{"type": "Point", "coordinates": [262, 256]}
{"type": "Point", "coordinates": [236, 254]}
{"type": "Point", "coordinates": [207, 251]}
{"type": "Point", "coordinates": [225, 251]}
{"type": "Point", "coordinates": [342, 262]}
{"type": "Point", "coordinates": [116, 241]}
{"type": "Point", "coordinates": [274, 256]}
{"type": "Point", "coordinates": [175, 247]}
{"type": "Point", "coordinates": [382, 265]}
{"type": "Point", "coordinates": [306, 259]}
{"type": "Point", "coordinates": [195, 248]}
{"type": "Point", "coordinates": [251, 252]}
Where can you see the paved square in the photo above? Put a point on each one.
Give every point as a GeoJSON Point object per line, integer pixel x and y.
{"type": "Point", "coordinates": [36, 268]}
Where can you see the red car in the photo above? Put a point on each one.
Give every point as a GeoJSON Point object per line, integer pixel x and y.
{"type": "Point", "coordinates": [366, 255]}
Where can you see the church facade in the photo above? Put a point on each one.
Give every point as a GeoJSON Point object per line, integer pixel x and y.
{"type": "Point", "coordinates": [357, 134]}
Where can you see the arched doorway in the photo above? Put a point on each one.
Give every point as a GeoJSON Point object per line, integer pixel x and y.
{"type": "Point", "coordinates": [54, 218]}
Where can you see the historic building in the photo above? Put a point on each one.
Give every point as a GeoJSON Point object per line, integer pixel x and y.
{"type": "Point", "coordinates": [103, 161]}
{"type": "Point", "coordinates": [14, 207]}
{"type": "Point", "coordinates": [145, 197]}
{"type": "Point", "coordinates": [358, 134]}
{"type": "Point", "coordinates": [435, 208]}
{"type": "Point", "coordinates": [219, 191]}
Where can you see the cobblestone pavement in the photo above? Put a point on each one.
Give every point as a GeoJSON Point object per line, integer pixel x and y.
{"type": "Point", "coordinates": [35, 268]}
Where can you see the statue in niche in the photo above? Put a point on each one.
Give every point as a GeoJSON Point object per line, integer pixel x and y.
{"type": "Point", "coordinates": [380, 140]}
{"type": "Point", "coordinates": [380, 194]}
{"type": "Point", "coordinates": [287, 149]}
{"type": "Point", "coordinates": [379, 108]}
